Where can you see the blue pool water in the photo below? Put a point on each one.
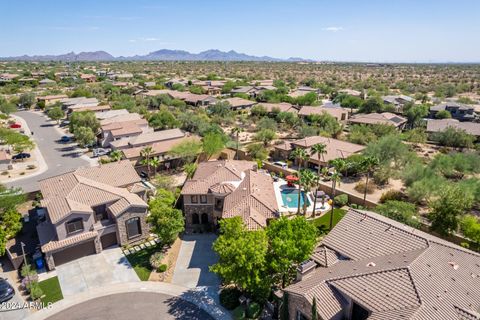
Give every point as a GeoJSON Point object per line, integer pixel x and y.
{"type": "Point", "coordinates": [290, 198]}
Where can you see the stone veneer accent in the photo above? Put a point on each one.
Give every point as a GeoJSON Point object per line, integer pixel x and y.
{"type": "Point", "coordinates": [190, 209]}
{"type": "Point", "coordinates": [121, 227]}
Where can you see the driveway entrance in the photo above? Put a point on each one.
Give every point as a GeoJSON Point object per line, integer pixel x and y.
{"type": "Point", "coordinates": [97, 270]}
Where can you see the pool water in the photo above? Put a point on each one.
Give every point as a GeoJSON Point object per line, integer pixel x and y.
{"type": "Point", "coordinates": [290, 198]}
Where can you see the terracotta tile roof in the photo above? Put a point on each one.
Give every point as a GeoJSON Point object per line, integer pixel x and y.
{"type": "Point", "coordinates": [378, 118]}
{"type": "Point", "coordinates": [393, 271]}
{"type": "Point", "coordinates": [439, 125]}
{"type": "Point", "coordinates": [159, 148]}
{"type": "Point", "coordinates": [211, 173]}
{"type": "Point", "coordinates": [222, 188]}
{"type": "Point", "coordinates": [156, 136]}
{"type": "Point", "coordinates": [54, 245]}
{"type": "Point", "coordinates": [283, 107]}
{"type": "Point", "coordinates": [254, 200]}
{"type": "Point", "coordinates": [239, 102]}
{"type": "Point", "coordinates": [337, 113]}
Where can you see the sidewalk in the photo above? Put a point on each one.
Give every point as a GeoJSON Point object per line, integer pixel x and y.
{"type": "Point", "coordinates": [198, 296]}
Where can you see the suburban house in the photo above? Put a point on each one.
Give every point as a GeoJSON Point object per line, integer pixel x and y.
{"type": "Point", "coordinates": [335, 149]}
{"type": "Point", "coordinates": [252, 91]}
{"type": "Point", "coordinates": [225, 189]}
{"type": "Point", "coordinates": [199, 100]}
{"type": "Point", "coordinates": [458, 111]}
{"type": "Point", "coordinates": [398, 101]}
{"type": "Point", "coordinates": [351, 92]}
{"type": "Point", "coordinates": [88, 77]}
{"type": "Point", "coordinates": [51, 99]}
{"type": "Point", "coordinates": [280, 107]}
{"type": "Point", "coordinates": [170, 83]}
{"type": "Point", "coordinates": [90, 209]}
{"type": "Point", "coordinates": [240, 103]}
{"type": "Point", "coordinates": [73, 103]}
{"type": "Point", "coordinates": [385, 118]}
{"type": "Point", "coordinates": [372, 267]}
{"type": "Point", "coordinates": [341, 114]}
{"type": "Point", "coordinates": [303, 90]}
{"type": "Point", "coordinates": [439, 125]}
{"type": "Point", "coordinates": [47, 82]}
{"type": "Point", "coordinates": [8, 77]}
{"type": "Point", "coordinates": [122, 127]}
{"type": "Point", "coordinates": [110, 114]}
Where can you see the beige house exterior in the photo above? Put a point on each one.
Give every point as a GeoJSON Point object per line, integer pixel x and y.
{"type": "Point", "coordinates": [90, 209]}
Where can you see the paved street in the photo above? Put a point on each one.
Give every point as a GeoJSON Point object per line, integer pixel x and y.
{"type": "Point", "coordinates": [59, 157]}
{"type": "Point", "coordinates": [6, 313]}
{"type": "Point", "coordinates": [97, 270]}
{"type": "Point", "coordinates": [196, 255]}
{"type": "Point", "coordinates": [135, 305]}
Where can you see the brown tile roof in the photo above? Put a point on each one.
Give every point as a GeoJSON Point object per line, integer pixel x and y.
{"type": "Point", "coordinates": [439, 125]}
{"type": "Point", "coordinates": [337, 113]}
{"type": "Point", "coordinates": [254, 200]}
{"type": "Point", "coordinates": [378, 118]}
{"type": "Point", "coordinates": [156, 136]}
{"type": "Point", "coordinates": [283, 107]}
{"type": "Point", "coordinates": [159, 148]}
{"type": "Point", "coordinates": [210, 173]}
{"type": "Point", "coordinates": [392, 270]}
{"type": "Point", "coordinates": [54, 245]}
{"type": "Point", "coordinates": [53, 97]}
{"type": "Point", "coordinates": [80, 190]}
{"type": "Point", "coordinates": [240, 102]}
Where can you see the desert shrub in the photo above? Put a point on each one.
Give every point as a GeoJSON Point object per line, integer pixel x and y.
{"type": "Point", "coordinates": [391, 195]}
{"type": "Point", "coordinates": [253, 310]}
{"type": "Point", "coordinates": [360, 187]}
{"type": "Point", "coordinates": [156, 260]}
{"type": "Point", "coordinates": [229, 298]}
{"type": "Point", "coordinates": [400, 211]}
{"type": "Point", "coordinates": [162, 268]}
{"type": "Point", "coordinates": [341, 200]}
{"type": "Point", "coordinates": [382, 175]}
{"type": "Point", "coordinates": [34, 290]}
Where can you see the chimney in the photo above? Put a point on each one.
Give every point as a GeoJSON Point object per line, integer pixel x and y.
{"type": "Point", "coordinates": [305, 268]}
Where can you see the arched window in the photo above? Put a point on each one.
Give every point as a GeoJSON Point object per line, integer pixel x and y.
{"type": "Point", "coordinates": [74, 225]}
{"type": "Point", "coordinates": [204, 218]}
{"type": "Point", "coordinates": [195, 218]}
{"type": "Point", "coordinates": [133, 227]}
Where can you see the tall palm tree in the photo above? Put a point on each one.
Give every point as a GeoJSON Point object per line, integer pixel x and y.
{"type": "Point", "coordinates": [320, 149]}
{"type": "Point", "coordinates": [115, 155]}
{"type": "Point", "coordinates": [301, 156]}
{"type": "Point", "coordinates": [155, 163]}
{"type": "Point", "coordinates": [339, 164]}
{"type": "Point", "coordinates": [336, 178]}
{"type": "Point", "coordinates": [368, 164]}
{"type": "Point", "coordinates": [236, 131]}
{"type": "Point", "coordinates": [146, 153]}
{"type": "Point", "coordinates": [307, 180]}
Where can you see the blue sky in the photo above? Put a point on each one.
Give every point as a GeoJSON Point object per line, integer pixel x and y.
{"type": "Point", "coordinates": [361, 30]}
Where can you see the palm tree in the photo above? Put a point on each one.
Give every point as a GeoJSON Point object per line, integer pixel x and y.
{"type": "Point", "coordinates": [336, 178]}
{"type": "Point", "coordinates": [115, 155]}
{"type": "Point", "coordinates": [300, 155]}
{"type": "Point", "coordinates": [155, 163]}
{"type": "Point", "coordinates": [307, 180]}
{"type": "Point", "coordinates": [146, 153]}
{"type": "Point", "coordinates": [339, 164]}
{"type": "Point", "coordinates": [368, 164]}
{"type": "Point", "coordinates": [236, 131]}
{"type": "Point", "coordinates": [320, 149]}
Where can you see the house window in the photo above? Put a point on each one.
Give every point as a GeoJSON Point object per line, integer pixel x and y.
{"type": "Point", "coordinates": [203, 199]}
{"type": "Point", "coordinates": [133, 227]}
{"type": "Point", "coordinates": [100, 212]}
{"type": "Point", "coordinates": [74, 225]}
{"type": "Point", "coordinates": [194, 199]}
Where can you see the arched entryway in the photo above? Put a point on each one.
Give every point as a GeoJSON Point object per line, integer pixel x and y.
{"type": "Point", "coordinates": [204, 218]}
{"type": "Point", "coordinates": [195, 218]}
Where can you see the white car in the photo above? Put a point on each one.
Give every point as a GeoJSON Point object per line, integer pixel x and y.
{"type": "Point", "coordinates": [100, 152]}
{"type": "Point", "coordinates": [281, 164]}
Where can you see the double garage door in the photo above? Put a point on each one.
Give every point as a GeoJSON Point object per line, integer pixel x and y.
{"type": "Point", "coordinates": [75, 252]}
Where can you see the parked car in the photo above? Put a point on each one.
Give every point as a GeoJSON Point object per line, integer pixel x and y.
{"type": "Point", "coordinates": [6, 290]}
{"type": "Point", "coordinates": [21, 156]}
{"type": "Point", "coordinates": [143, 175]}
{"type": "Point", "coordinates": [64, 123]}
{"type": "Point", "coordinates": [99, 152]}
{"type": "Point", "coordinates": [281, 164]}
{"type": "Point", "coordinates": [65, 139]}
{"type": "Point", "coordinates": [15, 126]}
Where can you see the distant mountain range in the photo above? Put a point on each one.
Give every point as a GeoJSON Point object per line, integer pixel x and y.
{"type": "Point", "coordinates": [160, 55]}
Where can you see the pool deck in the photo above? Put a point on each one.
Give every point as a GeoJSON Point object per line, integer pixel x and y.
{"type": "Point", "coordinates": [280, 185]}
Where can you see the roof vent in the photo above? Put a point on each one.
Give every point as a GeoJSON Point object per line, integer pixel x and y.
{"type": "Point", "coordinates": [454, 265]}
{"type": "Point", "coordinates": [371, 264]}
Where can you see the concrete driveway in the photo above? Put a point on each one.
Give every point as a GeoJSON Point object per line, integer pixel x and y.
{"type": "Point", "coordinates": [7, 309]}
{"type": "Point", "coordinates": [196, 255]}
{"type": "Point", "coordinates": [108, 267]}
{"type": "Point", "coordinates": [59, 158]}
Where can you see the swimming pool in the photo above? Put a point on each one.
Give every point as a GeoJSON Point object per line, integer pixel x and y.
{"type": "Point", "coordinates": [290, 198]}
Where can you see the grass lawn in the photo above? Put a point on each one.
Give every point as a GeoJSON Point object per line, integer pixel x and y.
{"type": "Point", "coordinates": [51, 290]}
{"type": "Point", "coordinates": [324, 221]}
{"type": "Point", "coordinates": [140, 261]}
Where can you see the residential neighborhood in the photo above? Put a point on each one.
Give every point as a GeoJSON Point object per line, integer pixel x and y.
{"type": "Point", "coordinates": [335, 175]}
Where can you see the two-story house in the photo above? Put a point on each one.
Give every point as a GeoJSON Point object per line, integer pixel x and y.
{"type": "Point", "coordinates": [90, 209]}
{"type": "Point", "coordinates": [461, 112]}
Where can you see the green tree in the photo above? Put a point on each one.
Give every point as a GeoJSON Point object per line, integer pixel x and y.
{"type": "Point", "coordinates": [166, 221]}
{"type": "Point", "coordinates": [470, 226]}
{"type": "Point", "coordinates": [291, 241]}
{"type": "Point", "coordinates": [445, 211]}
{"type": "Point", "coordinates": [236, 131]}
{"type": "Point", "coordinates": [265, 136]}
{"type": "Point", "coordinates": [373, 104]}
{"type": "Point", "coordinates": [336, 178]}
{"type": "Point", "coordinates": [155, 163]}
{"type": "Point", "coordinates": [401, 211]}
{"type": "Point", "coordinates": [212, 144]}
{"type": "Point", "coordinates": [301, 156]}
{"type": "Point", "coordinates": [369, 163]}
{"type": "Point", "coordinates": [7, 108]}
{"type": "Point", "coordinates": [242, 257]}
{"type": "Point", "coordinates": [314, 309]}
{"type": "Point", "coordinates": [84, 136]}
{"type": "Point", "coordinates": [146, 154]}
{"type": "Point", "coordinates": [56, 114]}
{"type": "Point", "coordinates": [187, 150]}
{"type": "Point", "coordinates": [320, 150]}
{"type": "Point", "coordinates": [116, 155]}
{"type": "Point", "coordinates": [27, 100]}
{"type": "Point", "coordinates": [257, 151]}
{"type": "Point", "coordinates": [84, 119]}
{"type": "Point", "coordinates": [163, 119]}
{"type": "Point", "coordinates": [190, 169]}
{"type": "Point", "coordinates": [416, 114]}
{"type": "Point", "coordinates": [307, 180]}
{"type": "Point", "coordinates": [443, 114]}
{"type": "Point", "coordinates": [455, 138]}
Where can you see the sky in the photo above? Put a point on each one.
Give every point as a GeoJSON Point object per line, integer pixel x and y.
{"type": "Point", "coordinates": [333, 30]}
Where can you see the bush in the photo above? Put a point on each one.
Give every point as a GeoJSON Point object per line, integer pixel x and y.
{"type": "Point", "coordinates": [156, 260]}
{"type": "Point", "coordinates": [360, 187]}
{"type": "Point", "coordinates": [34, 290]}
{"type": "Point", "coordinates": [253, 310]}
{"type": "Point", "coordinates": [229, 298]}
{"type": "Point", "coordinates": [239, 313]}
{"type": "Point", "coordinates": [162, 268]}
{"type": "Point", "coordinates": [341, 200]}
{"type": "Point", "coordinates": [391, 195]}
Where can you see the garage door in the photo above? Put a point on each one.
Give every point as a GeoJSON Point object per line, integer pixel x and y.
{"type": "Point", "coordinates": [70, 254]}
{"type": "Point", "coordinates": [109, 240]}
